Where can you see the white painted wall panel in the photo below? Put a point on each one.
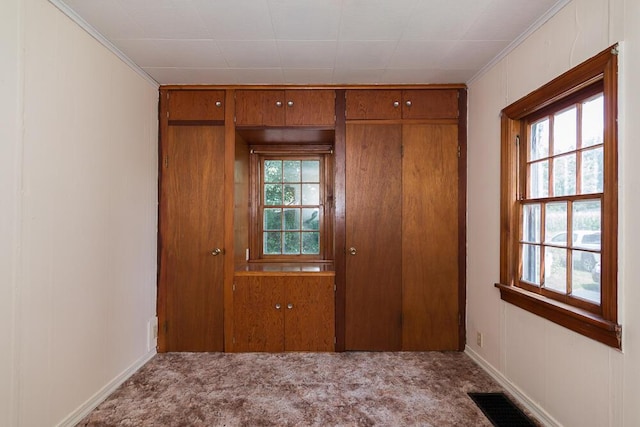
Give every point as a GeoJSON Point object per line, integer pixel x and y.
{"type": "Point", "coordinates": [575, 380]}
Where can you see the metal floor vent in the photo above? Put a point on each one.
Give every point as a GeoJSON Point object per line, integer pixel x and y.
{"type": "Point", "coordinates": [500, 410]}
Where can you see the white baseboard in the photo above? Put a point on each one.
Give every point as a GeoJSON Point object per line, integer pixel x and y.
{"type": "Point", "coordinates": [76, 416]}
{"type": "Point", "coordinates": [513, 390]}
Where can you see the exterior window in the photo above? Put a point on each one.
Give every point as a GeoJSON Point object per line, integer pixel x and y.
{"type": "Point", "coordinates": [291, 197]}
{"type": "Point", "coordinates": [291, 209]}
{"type": "Point", "coordinates": [559, 200]}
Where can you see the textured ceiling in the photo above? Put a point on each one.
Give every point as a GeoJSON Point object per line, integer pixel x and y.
{"type": "Point", "coordinates": [311, 41]}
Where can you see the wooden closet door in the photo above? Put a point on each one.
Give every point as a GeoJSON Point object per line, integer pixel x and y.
{"type": "Point", "coordinates": [373, 312]}
{"type": "Point", "coordinates": [430, 237]}
{"type": "Point", "coordinates": [191, 228]}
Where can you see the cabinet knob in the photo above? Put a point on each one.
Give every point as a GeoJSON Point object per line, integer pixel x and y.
{"type": "Point", "coordinates": [396, 104]}
{"type": "Point", "coordinates": [289, 306]}
{"type": "Point", "coordinates": [278, 306]}
{"type": "Point", "coordinates": [216, 252]}
{"type": "Point", "coordinates": [408, 103]}
{"type": "Point", "coordinates": [218, 104]}
{"type": "Point", "coordinates": [278, 104]}
{"type": "Point", "coordinates": [290, 103]}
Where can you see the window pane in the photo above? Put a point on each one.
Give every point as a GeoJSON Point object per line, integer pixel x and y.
{"type": "Point", "coordinates": [587, 223]}
{"type": "Point", "coordinates": [564, 131]}
{"type": "Point", "coordinates": [531, 264]}
{"type": "Point", "coordinates": [539, 179]}
{"type": "Point", "coordinates": [272, 243]}
{"type": "Point", "coordinates": [273, 171]}
{"type": "Point", "coordinates": [291, 194]}
{"type": "Point", "coordinates": [272, 219]}
{"type": "Point", "coordinates": [555, 222]}
{"type": "Point", "coordinates": [310, 194]}
{"type": "Point", "coordinates": [292, 219]}
{"type": "Point", "coordinates": [592, 175]}
{"type": "Point", "coordinates": [593, 122]}
{"type": "Point", "coordinates": [311, 243]}
{"type": "Point", "coordinates": [555, 269]}
{"type": "Point", "coordinates": [531, 223]}
{"type": "Point", "coordinates": [539, 140]}
{"type": "Point", "coordinates": [310, 219]}
{"type": "Point", "coordinates": [586, 284]}
{"type": "Point", "coordinates": [291, 243]}
{"type": "Point", "coordinates": [272, 194]}
{"type": "Point", "coordinates": [564, 175]}
{"type": "Point", "coordinates": [310, 171]}
{"type": "Point", "coordinates": [292, 171]}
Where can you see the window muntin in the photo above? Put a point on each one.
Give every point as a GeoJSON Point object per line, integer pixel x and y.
{"type": "Point", "coordinates": [564, 163]}
{"type": "Point", "coordinates": [291, 206]}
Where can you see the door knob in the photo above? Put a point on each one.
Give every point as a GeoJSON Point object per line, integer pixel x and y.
{"type": "Point", "coordinates": [216, 252]}
{"type": "Point", "coordinates": [352, 251]}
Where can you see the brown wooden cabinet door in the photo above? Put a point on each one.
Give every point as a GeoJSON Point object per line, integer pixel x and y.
{"type": "Point", "coordinates": [258, 307]}
{"type": "Point", "coordinates": [260, 108]}
{"type": "Point", "coordinates": [191, 227]}
{"type": "Point", "coordinates": [196, 105]}
{"type": "Point", "coordinates": [374, 104]}
{"type": "Point", "coordinates": [373, 313]}
{"type": "Point", "coordinates": [430, 237]}
{"type": "Point", "coordinates": [310, 314]}
{"type": "Point", "coordinates": [430, 104]}
{"type": "Point", "coordinates": [310, 107]}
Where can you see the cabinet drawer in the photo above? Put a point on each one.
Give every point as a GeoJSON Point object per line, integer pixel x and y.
{"type": "Point", "coordinates": [430, 104]}
{"type": "Point", "coordinates": [196, 105]}
{"type": "Point", "coordinates": [375, 104]}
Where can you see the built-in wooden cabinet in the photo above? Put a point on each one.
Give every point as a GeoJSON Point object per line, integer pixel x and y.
{"type": "Point", "coordinates": [293, 107]}
{"type": "Point", "coordinates": [397, 220]}
{"type": "Point", "coordinates": [195, 105]}
{"type": "Point", "coordinates": [276, 312]}
{"type": "Point", "coordinates": [380, 104]}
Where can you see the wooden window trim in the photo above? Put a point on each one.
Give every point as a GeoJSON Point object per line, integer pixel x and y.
{"type": "Point", "coordinates": [598, 72]}
{"type": "Point", "coordinates": [302, 151]}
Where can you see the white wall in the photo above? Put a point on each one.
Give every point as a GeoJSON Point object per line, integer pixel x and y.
{"type": "Point", "coordinates": [80, 216]}
{"type": "Point", "coordinates": [576, 381]}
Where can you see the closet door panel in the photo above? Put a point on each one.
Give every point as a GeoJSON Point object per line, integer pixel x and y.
{"type": "Point", "coordinates": [191, 227]}
{"type": "Point", "coordinates": [373, 314]}
{"type": "Point", "coordinates": [430, 237]}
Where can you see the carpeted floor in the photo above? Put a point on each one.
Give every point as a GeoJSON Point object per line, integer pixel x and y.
{"type": "Point", "coordinates": [299, 389]}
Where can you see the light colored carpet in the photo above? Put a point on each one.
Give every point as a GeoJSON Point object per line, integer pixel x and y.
{"type": "Point", "coordinates": [299, 389]}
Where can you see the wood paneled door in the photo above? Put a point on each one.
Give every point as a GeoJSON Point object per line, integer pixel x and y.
{"type": "Point", "coordinates": [373, 303]}
{"type": "Point", "coordinates": [430, 237]}
{"type": "Point", "coordinates": [190, 305]}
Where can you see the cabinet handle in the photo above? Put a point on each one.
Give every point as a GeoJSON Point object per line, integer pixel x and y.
{"type": "Point", "coordinates": [396, 104]}
{"type": "Point", "coordinates": [278, 306]}
{"type": "Point", "coordinates": [290, 103]}
{"type": "Point", "coordinates": [278, 104]}
{"type": "Point", "coordinates": [289, 306]}
{"type": "Point", "coordinates": [218, 104]}
{"type": "Point", "coordinates": [216, 252]}
{"type": "Point", "coordinates": [408, 103]}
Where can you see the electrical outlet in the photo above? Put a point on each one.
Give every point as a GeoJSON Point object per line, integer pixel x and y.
{"type": "Point", "coordinates": [479, 339]}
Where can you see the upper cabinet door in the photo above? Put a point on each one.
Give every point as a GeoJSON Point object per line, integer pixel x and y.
{"type": "Point", "coordinates": [430, 104]}
{"type": "Point", "coordinates": [374, 104]}
{"type": "Point", "coordinates": [196, 105]}
{"type": "Point", "coordinates": [310, 107]}
{"type": "Point", "coordinates": [260, 108]}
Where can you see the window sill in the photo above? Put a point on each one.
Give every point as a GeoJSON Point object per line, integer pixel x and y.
{"type": "Point", "coordinates": [580, 321]}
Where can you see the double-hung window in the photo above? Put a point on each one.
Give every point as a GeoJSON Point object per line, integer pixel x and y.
{"type": "Point", "coordinates": [559, 200]}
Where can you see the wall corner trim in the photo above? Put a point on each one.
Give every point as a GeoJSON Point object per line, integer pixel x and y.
{"type": "Point", "coordinates": [513, 390]}
{"type": "Point", "coordinates": [518, 41]}
{"type": "Point", "coordinates": [71, 14]}
{"type": "Point", "coordinates": [85, 409]}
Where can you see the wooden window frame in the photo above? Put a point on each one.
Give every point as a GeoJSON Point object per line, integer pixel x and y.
{"type": "Point", "coordinates": [259, 153]}
{"type": "Point", "coordinates": [599, 73]}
